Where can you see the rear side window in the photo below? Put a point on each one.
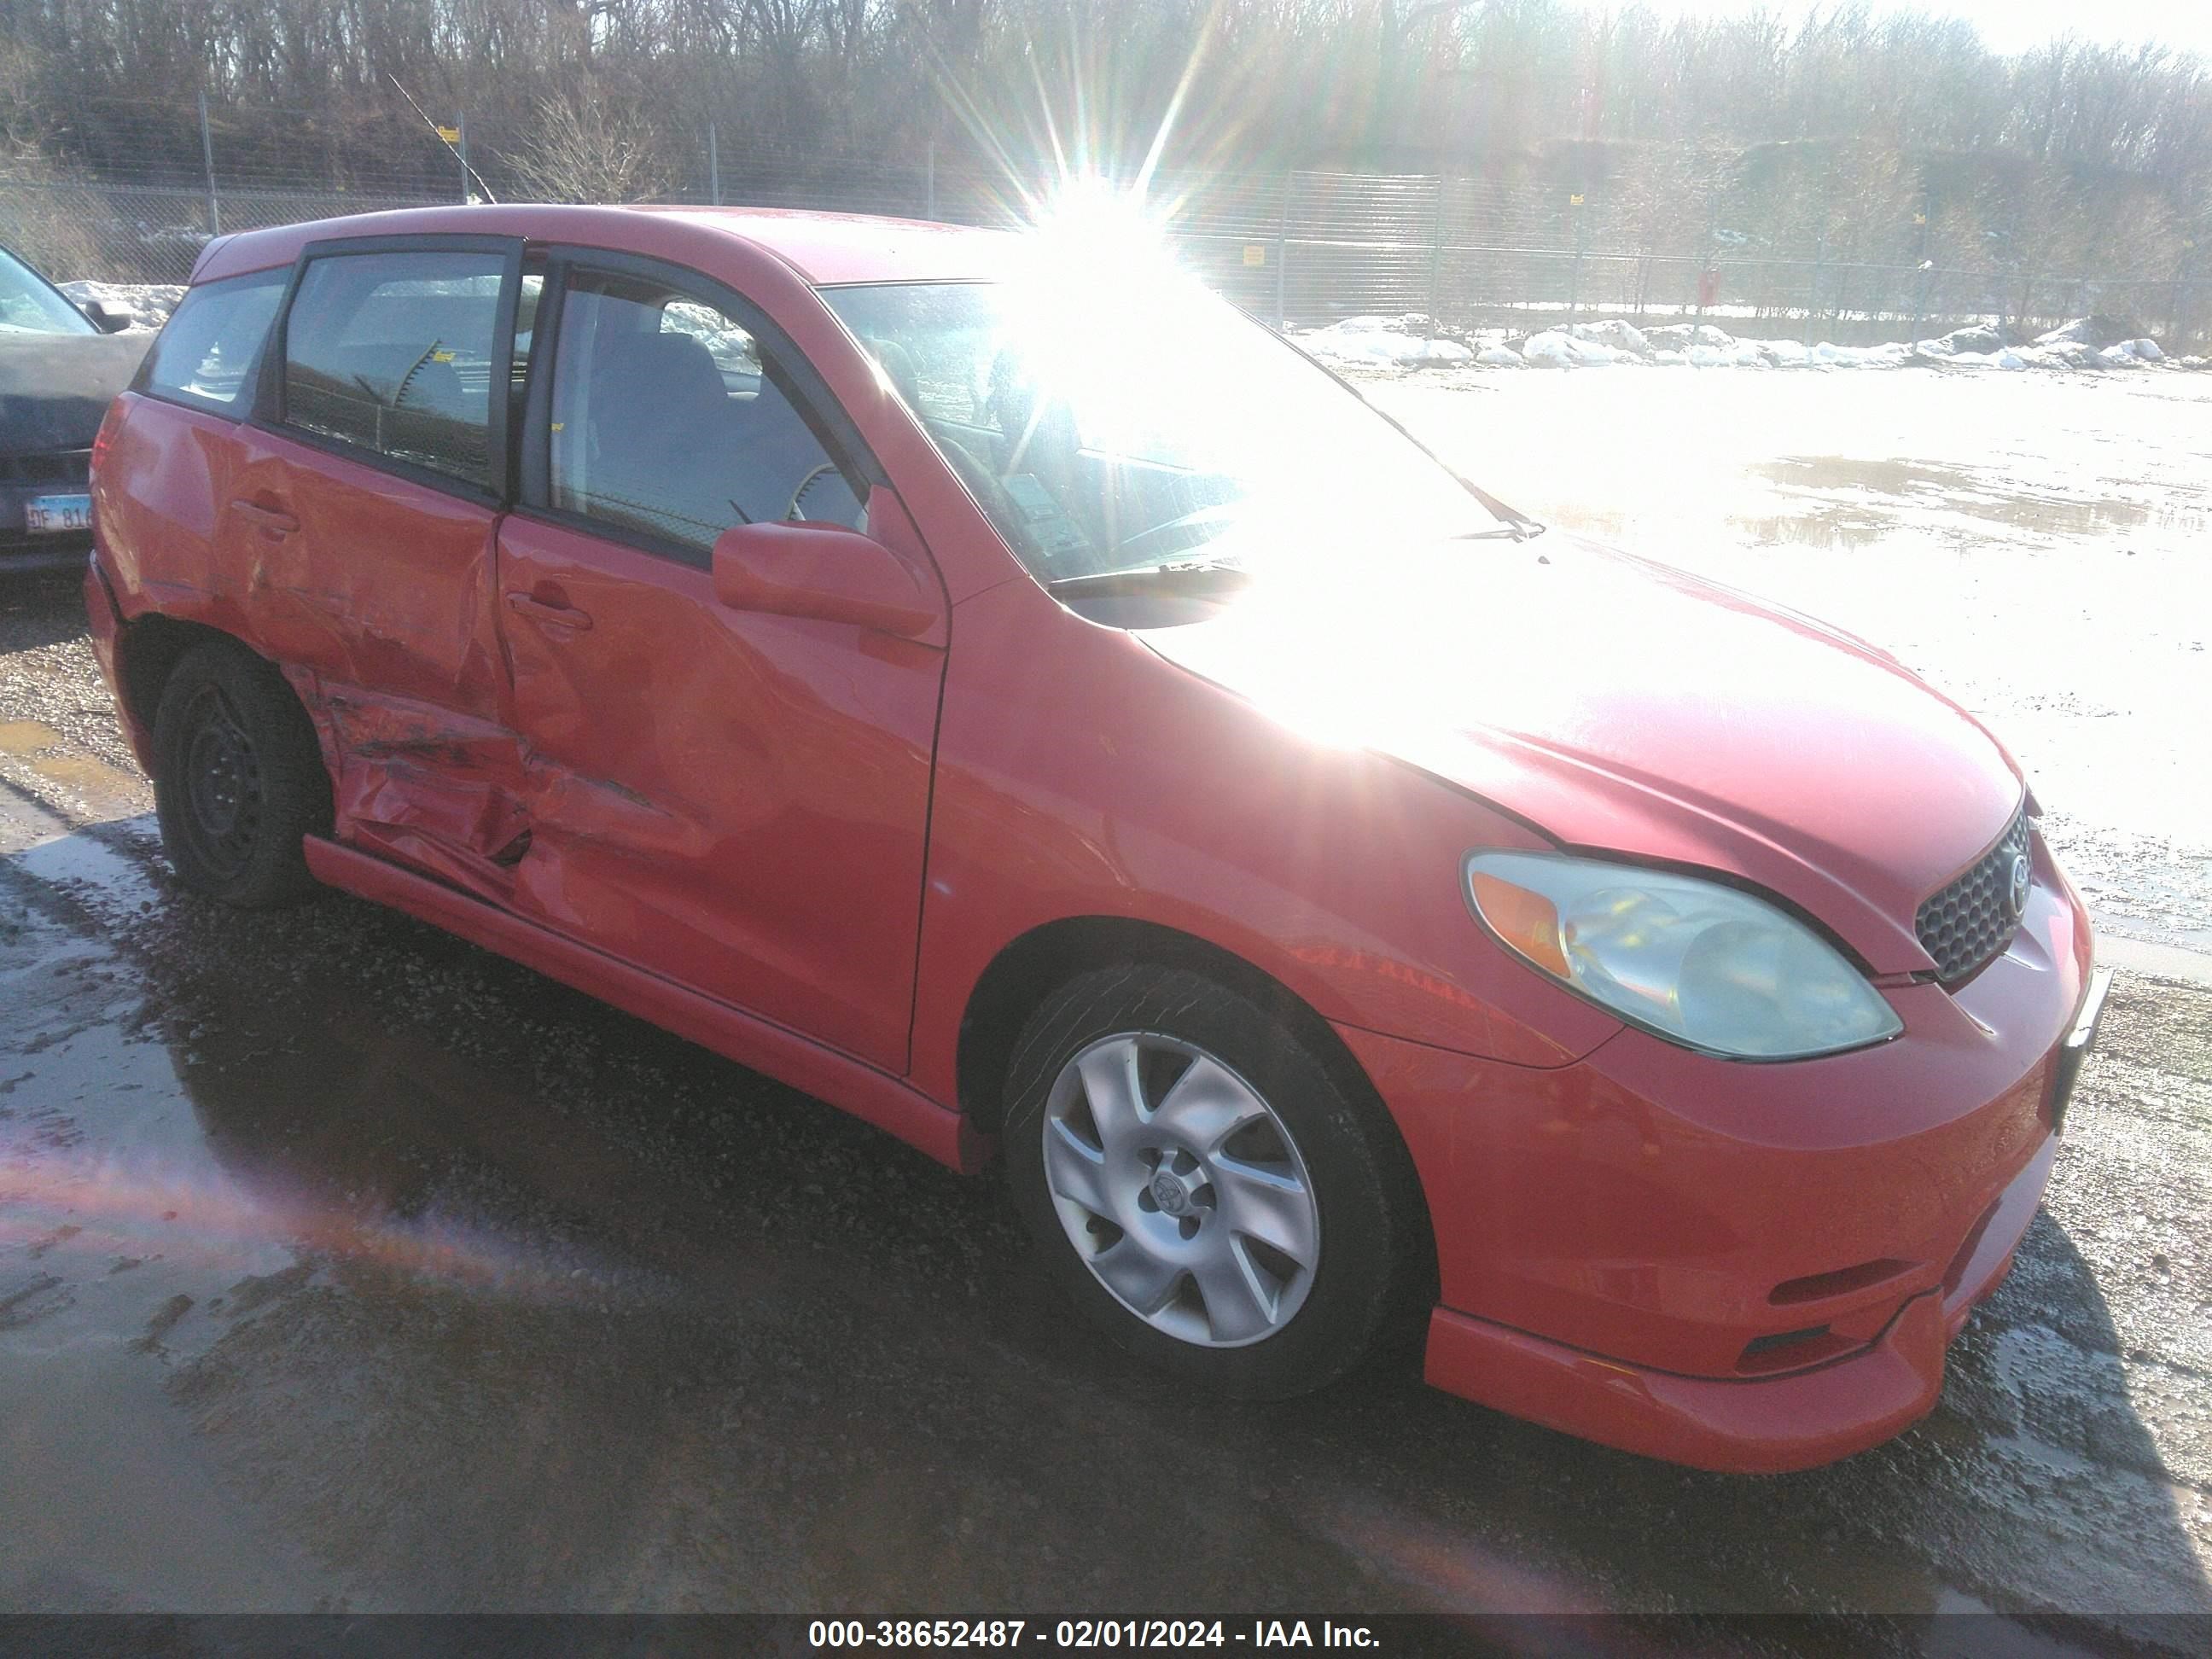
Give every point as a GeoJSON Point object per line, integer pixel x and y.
{"type": "Point", "coordinates": [205, 354]}
{"type": "Point", "coordinates": [393, 352]}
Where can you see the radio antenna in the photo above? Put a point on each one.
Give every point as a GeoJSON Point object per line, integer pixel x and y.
{"type": "Point", "coordinates": [443, 139]}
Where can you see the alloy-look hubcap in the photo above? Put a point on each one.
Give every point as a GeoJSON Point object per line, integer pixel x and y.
{"type": "Point", "coordinates": [1181, 1189]}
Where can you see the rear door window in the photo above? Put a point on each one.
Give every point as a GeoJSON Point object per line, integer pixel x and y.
{"type": "Point", "coordinates": [205, 354]}
{"type": "Point", "coordinates": [673, 422]}
{"type": "Point", "coordinates": [393, 352]}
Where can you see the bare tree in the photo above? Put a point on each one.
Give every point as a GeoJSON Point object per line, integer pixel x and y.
{"type": "Point", "coordinates": [584, 148]}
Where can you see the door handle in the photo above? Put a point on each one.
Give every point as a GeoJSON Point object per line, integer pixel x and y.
{"type": "Point", "coordinates": [272, 519]}
{"type": "Point", "coordinates": [544, 611]}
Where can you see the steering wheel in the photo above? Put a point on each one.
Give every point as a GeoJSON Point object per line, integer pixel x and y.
{"type": "Point", "coordinates": [791, 508]}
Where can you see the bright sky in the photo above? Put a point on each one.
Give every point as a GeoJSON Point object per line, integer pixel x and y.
{"type": "Point", "coordinates": [2010, 25]}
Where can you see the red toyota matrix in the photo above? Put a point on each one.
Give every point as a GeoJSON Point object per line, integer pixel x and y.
{"type": "Point", "coordinates": [983, 681]}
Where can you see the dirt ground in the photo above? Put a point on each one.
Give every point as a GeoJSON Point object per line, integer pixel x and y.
{"type": "Point", "coordinates": [345, 1267]}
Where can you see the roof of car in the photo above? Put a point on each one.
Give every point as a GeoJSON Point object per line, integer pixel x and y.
{"type": "Point", "coordinates": [824, 248]}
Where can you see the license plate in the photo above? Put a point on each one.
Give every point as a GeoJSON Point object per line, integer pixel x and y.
{"type": "Point", "coordinates": [45, 515]}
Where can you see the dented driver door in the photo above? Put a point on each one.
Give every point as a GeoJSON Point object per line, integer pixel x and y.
{"type": "Point", "coordinates": [735, 800]}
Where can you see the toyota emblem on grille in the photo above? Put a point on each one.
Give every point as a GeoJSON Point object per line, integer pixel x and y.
{"type": "Point", "coordinates": [2017, 898]}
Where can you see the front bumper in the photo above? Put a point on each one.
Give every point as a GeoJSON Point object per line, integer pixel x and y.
{"type": "Point", "coordinates": [1770, 1425]}
{"type": "Point", "coordinates": [1749, 1267]}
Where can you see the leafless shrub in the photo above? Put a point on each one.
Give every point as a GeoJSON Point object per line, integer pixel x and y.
{"type": "Point", "coordinates": [585, 147]}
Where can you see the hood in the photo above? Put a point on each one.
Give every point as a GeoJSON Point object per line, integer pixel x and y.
{"type": "Point", "coordinates": [54, 388]}
{"type": "Point", "coordinates": [1620, 706]}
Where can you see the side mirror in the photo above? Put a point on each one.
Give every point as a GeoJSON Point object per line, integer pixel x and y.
{"type": "Point", "coordinates": [105, 318]}
{"type": "Point", "coordinates": [824, 571]}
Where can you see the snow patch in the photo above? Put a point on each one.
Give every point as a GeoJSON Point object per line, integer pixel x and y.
{"type": "Point", "coordinates": [1555, 349]}
{"type": "Point", "coordinates": [1390, 342]}
{"type": "Point", "coordinates": [147, 305]}
{"type": "Point", "coordinates": [1616, 335]}
{"type": "Point", "coordinates": [1411, 341]}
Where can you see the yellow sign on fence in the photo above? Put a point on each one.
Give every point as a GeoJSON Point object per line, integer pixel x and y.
{"type": "Point", "coordinates": [1254, 254]}
{"type": "Point", "coordinates": [451, 135]}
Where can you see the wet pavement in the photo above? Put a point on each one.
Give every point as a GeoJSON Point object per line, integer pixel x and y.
{"type": "Point", "coordinates": [344, 1266]}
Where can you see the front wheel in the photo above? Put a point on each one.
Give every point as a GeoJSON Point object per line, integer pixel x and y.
{"type": "Point", "coordinates": [1203, 1185]}
{"type": "Point", "coordinates": [238, 778]}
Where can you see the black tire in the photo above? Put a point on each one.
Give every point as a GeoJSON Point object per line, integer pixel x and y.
{"type": "Point", "coordinates": [239, 779]}
{"type": "Point", "coordinates": [1368, 1278]}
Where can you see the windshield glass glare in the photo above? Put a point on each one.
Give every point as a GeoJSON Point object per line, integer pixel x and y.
{"type": "Point", "coordinates": [1109, 425]}
{"type": "Point", "coordinates": [28, 305]}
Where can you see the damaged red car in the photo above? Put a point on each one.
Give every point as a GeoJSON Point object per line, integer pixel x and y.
{"type": "Point", "coordinates": [983, 681]}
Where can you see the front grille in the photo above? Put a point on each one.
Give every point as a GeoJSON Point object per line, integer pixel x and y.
{"type": "Point", "coordinates": [54, 466]}
{"type": "Point", "coordinates": [1971, 920]}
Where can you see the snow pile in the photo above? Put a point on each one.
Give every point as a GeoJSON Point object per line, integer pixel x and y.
{"type": "Point", "coordinates": [1894, 354]}
{"type": "Point", "coordinates": [147, 305]}
{"type": "Point", "coordinates": [1622, 339]}
{"type": "Point", "coordinates": [2097, 332]}
{"type": "Point", "coordinates": [1555, 349]}
{"type": "Point", "coordinates": [1384, 342]}
{"type": "Point", "coordinates": [1412, 341]}
{"type": "Point", "coordinates": [1975, 340]}
{"type": "Point", "coordinates": [1745, 353]}
{"type": "Point", "coordinates": [1680, 336]}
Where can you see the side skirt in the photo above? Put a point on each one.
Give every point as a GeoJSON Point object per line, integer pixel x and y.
{"type": "Point", "coordinates": [873, 1096]}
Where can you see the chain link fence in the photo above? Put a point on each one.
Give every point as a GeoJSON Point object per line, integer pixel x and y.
{"type": "Point", "coordinates": [1300, 249]}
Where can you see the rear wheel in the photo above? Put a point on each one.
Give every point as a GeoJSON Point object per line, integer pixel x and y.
{"type": "Point", "coordinates": [1201, 1184]}
{"type": "Point", "coordinates": [239, 779]}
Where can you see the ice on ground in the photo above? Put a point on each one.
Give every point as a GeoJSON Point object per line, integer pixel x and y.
{"type": "Point", "coordinates": [1500, 356]}
{"type": "Point", "coordinates": [2148, 350]}
{"type": "Point", "coordinates": [1392, 341]}
{"type": "Point", "coordinates": [147, 305]}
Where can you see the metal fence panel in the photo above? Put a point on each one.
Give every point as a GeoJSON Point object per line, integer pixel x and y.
{"type": "Point", "coordinates": [1304, 248]}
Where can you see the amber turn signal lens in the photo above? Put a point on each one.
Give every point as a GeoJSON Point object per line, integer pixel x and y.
{"type": "Point", "coordinates": [1528, 922]}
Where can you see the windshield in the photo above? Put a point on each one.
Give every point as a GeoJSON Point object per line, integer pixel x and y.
{"type": "Point", "coordinates": [29, 306]}
{"type": "Point", "coordinates": [1112, 427]}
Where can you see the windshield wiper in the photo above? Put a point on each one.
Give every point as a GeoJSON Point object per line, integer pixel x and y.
{"type": "Point", "coordinates": [1514, 530]}
{"type": "Point", "coordinates": [1201, 574]}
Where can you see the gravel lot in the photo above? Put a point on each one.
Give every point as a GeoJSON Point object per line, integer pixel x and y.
{"type": "Point", "coordinates": [345, 1267]}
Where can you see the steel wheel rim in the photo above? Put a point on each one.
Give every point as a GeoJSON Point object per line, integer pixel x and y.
{"type": "Point", "coordinates": [1180, 1190]}
{"type": "Point", "coordinates": [223, 793]}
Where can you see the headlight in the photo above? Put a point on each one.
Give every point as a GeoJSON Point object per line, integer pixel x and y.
{"type": "Point", "coordinates": [1691, 960]}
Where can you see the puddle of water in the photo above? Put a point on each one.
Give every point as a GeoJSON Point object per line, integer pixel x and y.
{"type": "Point", "coordinates": [27, 737]}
